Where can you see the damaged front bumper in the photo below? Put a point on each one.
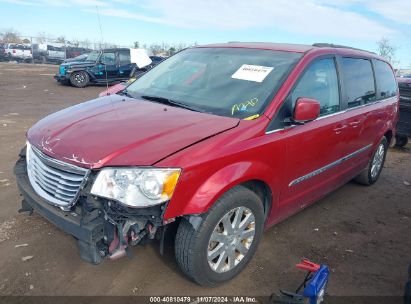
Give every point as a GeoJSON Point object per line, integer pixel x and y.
{"type": "Point", "coordinates": [103, 228]}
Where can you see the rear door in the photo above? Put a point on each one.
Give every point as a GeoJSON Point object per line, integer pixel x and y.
{"type": "Point", "coordinates": [124, 64]}
{"type": "Point", "coordinates": [363, 119]}
{"type": "Point", "coordinates": [108, 67]}
{"type": "Point", "coordinates": [314, 148]}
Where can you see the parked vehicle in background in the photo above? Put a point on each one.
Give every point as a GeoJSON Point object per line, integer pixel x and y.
{"type": "Point", "coordinates": [404, 122]}
{"type": "Point", "coordinates": [18, 52]}
{"type": "Point", "coordinates": [48, 53]}
{"type": "Point", "coordinates": [403, 73]}
{"type": "Point", "coordinates": [225, 140]}
{"type": "Point", "coordinates": [103, 67]}
{"type": "Point", "coordinates": [79, 58]}
{"type": "Point", "coordinates": [72, 52]}
{"type": "Point", "coordinates": [157, 59]}
{"type": "Point", "coordinates": [2, 52]}
{"type": "Point", "coordinates": [136, 73]}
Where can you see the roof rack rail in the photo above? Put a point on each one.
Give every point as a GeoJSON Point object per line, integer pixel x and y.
{"type": "Point", "coordinates": [339, 46]}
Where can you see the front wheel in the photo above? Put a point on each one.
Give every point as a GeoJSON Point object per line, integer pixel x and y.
{"type": "Point", "coordinates": [371, 174]}
{"type": "Point", "coordinates": [79, 79]}
{"type": "Point", "coordinates": [225, 241]}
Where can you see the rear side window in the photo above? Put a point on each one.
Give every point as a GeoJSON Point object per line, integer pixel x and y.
{"type": "Point", "coordinates": [386, 83]}
{"type": "Point", "coordinates": [124, 57]}
{"type": "Point", "coordinates": [108, 58]}
{"type": "Point", "coordinates": [320, 82]}
{"type": "Point", "coordinates": [358, 80]}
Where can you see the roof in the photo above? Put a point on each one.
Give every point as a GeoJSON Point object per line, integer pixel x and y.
{"type": "Point", "coordinates": [115, 49]}
{"type": "Point", "coordinates": [296, 48]}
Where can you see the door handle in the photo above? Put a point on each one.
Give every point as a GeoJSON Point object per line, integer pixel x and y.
{"type": "Point", "coordinates": [354, 124]}
{"type": "Point", "coordinates": [338, 129]}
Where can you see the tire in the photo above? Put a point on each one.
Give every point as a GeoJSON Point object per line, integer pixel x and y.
{"type": "Point", "coordinates": [401, 141]}
{"type": "Point", "coordinates": [79, 79]}
{"type": "Point", "coordinates": [193, 246]}
{"type": "Point", "coordinates": [373, 170]}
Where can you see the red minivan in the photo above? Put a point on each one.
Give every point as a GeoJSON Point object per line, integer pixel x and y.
{"type": "Point", "coordinates": [224, 140]}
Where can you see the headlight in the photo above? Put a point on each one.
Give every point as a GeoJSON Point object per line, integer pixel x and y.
{"type": "Point", "coordinates": [136, 187]}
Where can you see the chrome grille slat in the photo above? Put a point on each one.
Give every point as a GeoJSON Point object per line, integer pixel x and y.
{"type": "Point", "coordinates": [54, 178]}
{"type": "Point", "coordinates": [57, 182]}
{"type": "Point", "coordinates": [54, 185]}
{"type": "Point", "coordinates": [57, 173]}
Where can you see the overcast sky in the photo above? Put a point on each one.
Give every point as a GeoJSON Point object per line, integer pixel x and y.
{"type": "Point", "coordinates": [359, 23]}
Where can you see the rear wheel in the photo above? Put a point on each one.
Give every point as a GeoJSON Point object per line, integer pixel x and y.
{"type": "Point", "coordinates": [79, 79]}
{"type": "Point", "coordinates": [371, 174]}
{"type": "Point", "coordinates": [224, 242]}
{"type": "Point", "coordinates": [401, 141]}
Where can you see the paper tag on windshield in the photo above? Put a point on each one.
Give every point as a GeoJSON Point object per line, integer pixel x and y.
{"type": "Point", "coordinates": [250, 72]}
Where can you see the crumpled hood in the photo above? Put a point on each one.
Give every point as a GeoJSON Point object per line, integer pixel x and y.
{"type": "Point", "coordinates": [121, 131]}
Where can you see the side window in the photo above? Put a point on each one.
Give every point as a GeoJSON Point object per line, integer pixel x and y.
{"type": "Point", "coordinates": [386, 83]}
{"type": "Point", "coordinates": [320, 82]}
{"type": "Point", "coordinates": [358, 81]}
{"type": "Point", "coordinates": [124, 57]}
{"type": "Point", "coordinates": [108, 58]}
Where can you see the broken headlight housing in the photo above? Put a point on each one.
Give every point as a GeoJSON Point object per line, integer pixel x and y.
{"type": "Point", "coordinates": [136, 187]}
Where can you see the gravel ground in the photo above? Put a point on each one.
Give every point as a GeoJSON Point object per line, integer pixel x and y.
{"type": "Point", "coordinates": [362, 233]}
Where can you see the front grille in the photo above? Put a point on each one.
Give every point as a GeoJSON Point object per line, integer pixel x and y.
{"type": "Point", "coordinates": [57, 182]}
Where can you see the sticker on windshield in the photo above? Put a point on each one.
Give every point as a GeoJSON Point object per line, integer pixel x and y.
{"type": "Point", "coordinates": [250, 72]}
{"type": "Point", "coordinates": [243, 106]}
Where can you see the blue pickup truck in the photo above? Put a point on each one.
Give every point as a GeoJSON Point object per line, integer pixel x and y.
{"type": "Point", "coordinates": [103, 67]}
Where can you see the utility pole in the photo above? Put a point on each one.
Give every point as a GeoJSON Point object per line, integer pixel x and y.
{"type": "Point", "coordinates": [32, 50]}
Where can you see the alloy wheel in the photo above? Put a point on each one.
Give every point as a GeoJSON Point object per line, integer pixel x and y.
{"type": "Point", "coordinates": [231, 239]}
{"type": "Point", "coordinates": [377, 161]}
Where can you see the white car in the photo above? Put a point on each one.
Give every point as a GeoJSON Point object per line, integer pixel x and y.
{"type": "Point", "coordinates": [18, 52]}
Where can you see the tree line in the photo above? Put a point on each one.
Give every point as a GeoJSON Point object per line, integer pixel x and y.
{"type": "Point", "coordinates": [385, 47]}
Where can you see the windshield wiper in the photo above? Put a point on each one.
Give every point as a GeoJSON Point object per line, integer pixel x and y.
{"type": "Point", "coordinates": [170, 102]}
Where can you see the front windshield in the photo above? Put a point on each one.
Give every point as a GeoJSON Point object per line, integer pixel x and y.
{"type": "Point", "coordinates": [231, 82]}
{"type": "Point", "coordinates": [93, 56]}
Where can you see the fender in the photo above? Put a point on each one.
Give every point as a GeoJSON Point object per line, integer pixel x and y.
{"type": "Point", "coordinates": [217, 184]}
{"type": "Point", "coordinates": [83, 69]}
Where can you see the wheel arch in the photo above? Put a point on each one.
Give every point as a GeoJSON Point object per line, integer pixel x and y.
{"type": "Point", "coordinates": [389, 136]}
{"type": "Point", "coordinates": [252, 175]}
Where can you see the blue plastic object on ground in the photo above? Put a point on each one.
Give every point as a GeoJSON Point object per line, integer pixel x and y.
{"type": "Point", "coordinates": [315, 284]}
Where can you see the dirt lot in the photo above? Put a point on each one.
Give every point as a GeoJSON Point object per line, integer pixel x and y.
{"type": "Point", "coordinates": [362, 233]}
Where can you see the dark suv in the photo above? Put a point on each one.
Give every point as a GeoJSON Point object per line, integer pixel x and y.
{"type": "Point", "coordinates": [100, 67]}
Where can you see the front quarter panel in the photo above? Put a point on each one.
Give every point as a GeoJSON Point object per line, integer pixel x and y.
{"type": "Point", "coordinates": [212, 167]}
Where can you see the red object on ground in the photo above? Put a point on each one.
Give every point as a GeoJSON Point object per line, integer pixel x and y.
{"type": "Point", "coordinates": [308, 265]}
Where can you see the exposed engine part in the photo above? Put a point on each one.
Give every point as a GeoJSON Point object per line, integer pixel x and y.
{"type": "Point", "coordinates": [129, 233]}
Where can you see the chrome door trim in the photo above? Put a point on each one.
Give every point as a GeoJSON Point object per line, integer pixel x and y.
{"type": "Point", "coordinates": [329, 166]}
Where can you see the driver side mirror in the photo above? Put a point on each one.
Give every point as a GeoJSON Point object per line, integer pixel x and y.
{"type": "Point", "coordinates": [305, 110]}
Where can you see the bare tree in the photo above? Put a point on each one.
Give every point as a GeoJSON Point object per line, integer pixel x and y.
{"type": "Point", "coordinates": [387, 50]}
{"type": "Point", "coordinates": [61, 39]}
{"type": "Point", "coordinates": [41, 37]}
{"type": "Point", "coordinates": [11, 36]}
